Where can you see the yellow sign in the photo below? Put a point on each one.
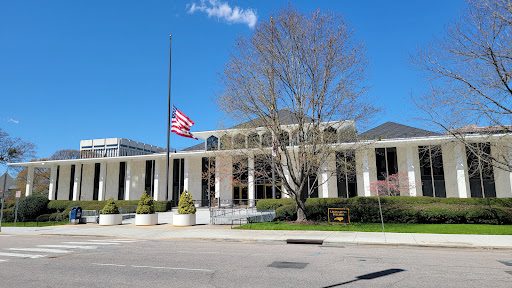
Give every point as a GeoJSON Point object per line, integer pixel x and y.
{"type": "Point", "coordinates": [338, 215]}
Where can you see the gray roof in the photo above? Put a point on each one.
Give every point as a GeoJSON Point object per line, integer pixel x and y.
{"type": "Point", "coordinates": [8, 184]}
{"type": "Point", "coordinates": [391, 130]}
{"type": "Point", "coordinates": [196, 147]}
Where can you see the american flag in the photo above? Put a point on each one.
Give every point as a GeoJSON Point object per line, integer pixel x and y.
{"type": "Point", "coordinates": [181, 124]}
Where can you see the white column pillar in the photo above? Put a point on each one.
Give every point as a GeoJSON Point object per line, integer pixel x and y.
{"type": "Point", "coordinates": [461, 175]}
{"type": "Point", "coordinates": [30, 181]}
{"type": "Point", "coordinates": [186, 181]}
{"type": "Point", "coordinates": [324, 178]}
{"type": "Point", "coordinates": [366, 174]}
{"type": "Point", "coordinates": [156, 178]}
{"type": "Point", "coordinates": [411, 175]}
{"type": "Point", "coordinates": [251, 187]}
{"type": "Point", "coordinates": [287, 177]}
{"type": "Point", "coordinates": [128, 182]}
{"type": "Point", "coordinates": [76, 181]}
{"type": "Point", "coordinates": [53, 178]}
{"type": "Point", "coordinates": [509, 173]}
{"type": "Point", "coordinates": [101, 190]}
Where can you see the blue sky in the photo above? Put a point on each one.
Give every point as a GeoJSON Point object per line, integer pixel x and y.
{"type": "Point", "coordinates": [72, 70]}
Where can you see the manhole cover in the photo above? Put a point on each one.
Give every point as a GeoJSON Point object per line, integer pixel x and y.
{"type": "Point", "coordinates": [509, 272]}
{"type": "Point", "coordinates": [291, 265]}
{"type": "Point", "coordinates": [508, 263]}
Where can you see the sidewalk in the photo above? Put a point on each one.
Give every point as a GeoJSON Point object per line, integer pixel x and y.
{"type": "Point", "coordinates": [203, 231]}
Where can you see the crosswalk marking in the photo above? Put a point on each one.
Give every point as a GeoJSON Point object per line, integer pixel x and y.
{"type": "Point", "coordinates": [33, 256]}
{"type": "Point", "coordinates": [1, 260]}
{"type": "Point", "coordinates": [44, 250]}
{"type": "Point", "coordinates": [115, 241]}
{"type": "Point", "coordinates": [69, 246]}
{"type": "Point", "coordinates": [92, 243]}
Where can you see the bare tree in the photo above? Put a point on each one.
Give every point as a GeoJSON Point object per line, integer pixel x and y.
{"type": "Point", "coordinates": [310, 65]}
{"type": "Point", "coordinates": [469, 75]}
{"type": "Point", "coordinates": [14, 149]}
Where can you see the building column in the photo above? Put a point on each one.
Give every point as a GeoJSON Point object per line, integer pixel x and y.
{"type": "Point", "coordinates": [101, 190]}
{"type": "Point", "coordinates": [286, 172]}
{"type": "Point", "coordinates": [186, 166]}
{"type": "Point", "coordinates": [366, 174]}
{"type": "Point", "coordinates": [156, 175]}
{"type": "Point", "coordinates": [128, 182]}
{"type": "Point", "coordinates": [324, 178]}
{"type": "Point", "coordinates": [53, 178]}
{"type": "Point", "coordinates": [250, 185]}
{"type": "Point", "coordinates": [460, 171]}
{"type": "Point", "coordinates": [30, 181]}
{"type": "Point", "coordinates": [411, 175]}
{"type": "Point", "coordinates": [76, 181]}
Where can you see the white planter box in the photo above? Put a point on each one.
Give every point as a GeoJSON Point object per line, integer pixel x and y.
{"type": "Point", "coordinates": [146, 219]}
{"type": "Point", "coordinates": [111, 219]}
{"type": "Point", "coordinates": [184, 219]}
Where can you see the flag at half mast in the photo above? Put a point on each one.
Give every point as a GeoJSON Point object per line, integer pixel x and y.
{"type": "Point", "coordinates": [181, 123]}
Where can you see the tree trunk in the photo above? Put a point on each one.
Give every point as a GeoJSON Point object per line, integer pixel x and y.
{"type": "Point", "coordinates": [301, 212]}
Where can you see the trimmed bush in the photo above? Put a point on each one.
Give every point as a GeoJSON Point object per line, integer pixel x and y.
{"type": "Point", "coordinates": [186, 204]}
{"type": "Point", "coordinates": [110, 207]}
{"type": "Point", "coordinates": [273, 204]}
{"type": "Point", "coordinates": [145, 205]}
{"type": "Point", "coordinates": [366, 210]}
{"type": "Point", "coordinates": [32, 206]}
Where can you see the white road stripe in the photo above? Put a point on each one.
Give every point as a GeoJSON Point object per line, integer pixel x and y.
{"type": "Point", "coordinates": [117, 265]}
{"type": "Point", "coordinates": [69, 246]}
{"type": "Point", "coordinates": [155, 267]}
{"type": "Point", "coordinates": [1, 260]}
{"type": "Point", "coordinates": [114, 241]}
{"type": "Point", "coordinates": [33, 256]}
{"type": "Point", "coordinates": [91, 243]}
{"type": "Point", "coordinates": [44, 250]}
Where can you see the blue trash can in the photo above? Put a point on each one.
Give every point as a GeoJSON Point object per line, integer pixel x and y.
{"type": "Point", "coordinates": [76, 215]}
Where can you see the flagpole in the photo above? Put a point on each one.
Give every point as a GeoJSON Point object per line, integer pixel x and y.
{"type": "Point", "coordinates": [168, 125]}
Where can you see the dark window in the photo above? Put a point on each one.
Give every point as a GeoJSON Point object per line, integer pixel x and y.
{"type": "Point", "coordinates": [57, 183]}
{"type": "Point", "coordinates": [212, 143]}
{"type": "Point", "coordinates": [263, 177]}
{"type": "Point", "coordinates": [480, 170]}
{"type": "Point", "coordinates": [266, 139]}
{"type": "Point", "coordinates": [96, 186]}
{"type": "Point", "coordinates": [150, 177]}
{"type": "Point", "coordinates": [122, 181]}
{"type": "Point", "coordinates": [239, 141]}
{"type": "Point", "coordinates": [432, 172]}
{"type": "Point", "coordinates": [330, 135]}
{"type": "Point", "coordinates": [386, 162]}
{"type": "Point", "coordinates": [71, 182]}
{"type": "Point", "coordinates": [207, 180]}
{"type": "Point", "coordinates": [178, 179]}
{"type": "Point", "coordinates": [253, 140]}
{"type": "Point", "coordinates": [226, 142]}
{"type": "Point", "coordinates": [312, 186]}
{"type": "Point", "coordinates": [346, 174]}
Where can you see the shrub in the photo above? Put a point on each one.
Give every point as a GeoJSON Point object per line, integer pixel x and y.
{"type": "Point", "coordinates": [8, 215]}
{"type": "Point", "coordinates": [146, 205]}
{"type": "Point", "coordinates": [162, 206]}
{"type": "Point", "coordinates": [60, 205]}
{"type": "Point", "coordinates": [110, 207]}
{"type": "Point", "coordinates": [273, 204]}
{"type": "Point", "coordinates": [32, 206]}
{"type": "Point", "coordinates": [186, 204]}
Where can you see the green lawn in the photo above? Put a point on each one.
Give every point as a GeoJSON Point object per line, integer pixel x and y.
{"type": "Point", "coordinates": [34, 224]}
{"type": "Point", "coordinates": [396, 228]}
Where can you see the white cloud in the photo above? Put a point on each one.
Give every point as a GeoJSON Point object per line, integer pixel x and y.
{"type": "Point", "coordinates": [13, 121]}
{"type": "Point", "coordinates": [222, 10]}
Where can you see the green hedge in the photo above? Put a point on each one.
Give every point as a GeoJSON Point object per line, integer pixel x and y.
{"type": "Point", "coordinates": [403, 209]}
{"type": "Point", "coordinates": [272, 204]}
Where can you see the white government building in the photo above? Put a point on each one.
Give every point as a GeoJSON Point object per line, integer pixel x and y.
{"type": "Point", "coordinates": [437, 165]}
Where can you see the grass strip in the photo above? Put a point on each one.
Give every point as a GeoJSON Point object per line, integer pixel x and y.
{"type": "Point", "coordinates": [392, 227]}
{"type": "Point", "coordinates": [34, 224]}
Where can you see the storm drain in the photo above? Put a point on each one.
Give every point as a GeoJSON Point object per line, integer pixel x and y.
{"type": "Point", "coordinates": [508, 263]}
{"type": "Point", "coordinates": [509, 272]}
{"type": "Point", "coordinates": [304, 241]}
{"type": "Point", "coordinates": [290, 265]}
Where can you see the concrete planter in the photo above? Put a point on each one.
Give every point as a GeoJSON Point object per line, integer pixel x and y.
{"type": "Point", "coordinates": [184, 219]}
{"type": "Point", "coordinates": [111, 219]}
{"type": "Point", "coordinates": [146, 219]}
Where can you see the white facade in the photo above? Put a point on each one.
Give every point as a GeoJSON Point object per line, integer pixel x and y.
{"type": "Point", "coordinates": [127, 177]}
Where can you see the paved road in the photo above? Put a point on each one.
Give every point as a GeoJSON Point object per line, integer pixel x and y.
{"type": "Point", "coordinates": [66, 261]}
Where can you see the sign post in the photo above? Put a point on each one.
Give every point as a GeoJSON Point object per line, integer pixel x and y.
{"type": "Point", "coordinates": [18, 195]}
{"type": "Point", "coordinates": [338, 215]}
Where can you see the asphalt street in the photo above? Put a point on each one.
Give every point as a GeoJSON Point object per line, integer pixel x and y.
{"type": "Point", "coordinates": [73, 261]}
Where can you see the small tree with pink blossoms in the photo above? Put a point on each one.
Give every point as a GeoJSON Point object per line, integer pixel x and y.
{"type": "Point", "coordinates": [393, 185]}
